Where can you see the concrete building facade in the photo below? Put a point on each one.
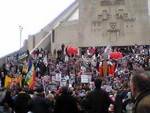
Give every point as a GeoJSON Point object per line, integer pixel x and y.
{"type": "Point", "coordinates": [96, 23]}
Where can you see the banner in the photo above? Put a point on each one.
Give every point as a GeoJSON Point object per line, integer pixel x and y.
{"type": "Point", "coordinates": [7, 81]}
{"type": "Point", "coordinates": [30, 77]}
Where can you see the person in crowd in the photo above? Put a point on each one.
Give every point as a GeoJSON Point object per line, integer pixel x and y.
{"type": "Point", "coordinates": [66, 103]}
{"type": "Point", "coordinates": [98, 100]}
{"type": "Point", "coordinates": [51, 100]}
{"type": "Point", "coordinates": [40, 105]}
{"type": "Point", "coordinates": [6, 102]}
{"type": "Point", "coordinates": [70, 69]}
{"type": "Point", "coordinates": [21, 103]}
{"type": "Point", "coordinates": [120, 100]}
{"type": "Point", "coordinates": [140, 88]}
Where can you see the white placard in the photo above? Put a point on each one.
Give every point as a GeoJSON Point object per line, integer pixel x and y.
{"type": "Point", "coordinates": [85, 78]}
{"type": "Point", "coordinates": [58, 77]}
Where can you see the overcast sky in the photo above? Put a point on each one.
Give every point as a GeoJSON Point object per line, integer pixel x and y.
{"type": "Point", "coordinates": [33, 15]}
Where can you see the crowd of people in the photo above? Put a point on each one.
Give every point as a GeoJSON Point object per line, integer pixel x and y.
{"type": "Point", "coordinates": [85, 80]}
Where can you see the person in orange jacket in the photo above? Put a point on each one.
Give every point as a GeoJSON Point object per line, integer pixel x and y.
{"type": "Point", "coordinates": [107, 69]}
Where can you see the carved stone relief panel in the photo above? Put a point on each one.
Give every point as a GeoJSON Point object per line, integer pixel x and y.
{"type": "Point", "coordinates": [123, 15]}
{"type": "Point", "coordinates": [112, 2]}
{"type": "Point", "coordinates": [112, 21]}
{"type": "Point", "coordinates": [113, 31]}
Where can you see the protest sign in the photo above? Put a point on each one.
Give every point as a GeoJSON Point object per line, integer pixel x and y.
{"type": "Point", "coordinates": [58, 77]}
{"type": "Point", "coordinates": [85, 78]}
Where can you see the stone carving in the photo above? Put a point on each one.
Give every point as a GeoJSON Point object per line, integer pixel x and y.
{"type": "Point", "coordinates": [124, 16]}
{"type": "Point", "coordinates": [107, 17]}
{"type": "Point", "coordinates": [104, 16]}
{"type": "Point", "coordinates": [112, 2]}
{"type": "Point", "coordinates": [113, 28]}
{"type": "Point", "coordinates": [96, 25]}
{"type": "Point", "coordinates": [101, 18]}
{"type": "Point", "coordinates": [113, 31]}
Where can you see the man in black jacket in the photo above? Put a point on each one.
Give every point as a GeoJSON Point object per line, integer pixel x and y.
{"type": "Point", "coordinates": [66, 103]}
{"type": "Point", "coordinates": [98, 100]}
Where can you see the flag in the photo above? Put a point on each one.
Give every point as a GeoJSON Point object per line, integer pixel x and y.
{"type": "Point", "coordinates": [29, 64]}
{"type": "Point", "coordinates": [7, 81]}
{"type": "Point", "coordinates": [30, 77]}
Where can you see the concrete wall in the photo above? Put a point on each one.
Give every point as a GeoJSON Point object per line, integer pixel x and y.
{"type": "Point", "coordinates": [30, 43]}
{"type": "Point", "coordinates": [33, 40]}
{"type": "Point", "coordinates": [45, 43]}
{"type": "Point", "coordinates": [66, 33]}
{"type": "Point", "coordinates": [40, 36]}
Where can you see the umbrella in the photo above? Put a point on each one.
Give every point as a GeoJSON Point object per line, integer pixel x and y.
{"type": "Point", "coordinates": [72, 50]}
{"type": "Point", "coordinates": [116, 55]}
